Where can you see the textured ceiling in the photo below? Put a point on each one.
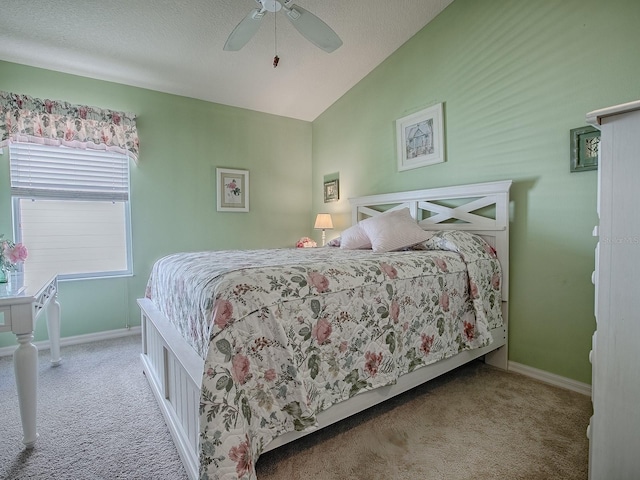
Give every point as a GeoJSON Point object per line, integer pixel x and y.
{"type": "Point", "coordinates": [175, 46]}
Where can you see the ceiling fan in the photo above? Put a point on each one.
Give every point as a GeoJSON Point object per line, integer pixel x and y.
{"type": "Point", "coordinates": [310, 26]}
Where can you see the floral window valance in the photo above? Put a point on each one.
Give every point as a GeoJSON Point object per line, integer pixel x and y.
{"type": "Point", "coordinates": [53, 122]}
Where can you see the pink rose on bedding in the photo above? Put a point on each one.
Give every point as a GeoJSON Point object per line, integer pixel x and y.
{"type": "Point", "coordinates": [241, 454]}
{"type": "Point", "coordinates": [389, 270]}
{"type": "Point", "coordinates": [442, 265]}
{"type": "Point", "coordinates": [444, 301]}
{"type": "Point", "coordinates": [270, 375]}
{"type": "Point", "coordinates": [427, 342]}
{"type": "Point", "coordinates": [495, 281]}
{"type": "Point", "coordinates": [372, 362]}
{"type": "Point", "coordinates": [321, 331]}
{"type": "Point", "coordinates": [394, 311]}
{"type": "Point", "coordinates": [240, 368]}
{"type": "Point", "coordinates": [473, 289]}
{"type": "Point", "coordinates": [319, 281]}
{"type": "Point", "coordinates": [222, 312]}
{"type": "Point", "coordinates": [469, 330]}
{"type": "Point", "coordinates": [343, 346]}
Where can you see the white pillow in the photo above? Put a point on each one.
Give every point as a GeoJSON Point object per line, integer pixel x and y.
{"type": "Point", "coordinates": [354, 238]}
{"type": "Point", "coordinates": [393, 230]}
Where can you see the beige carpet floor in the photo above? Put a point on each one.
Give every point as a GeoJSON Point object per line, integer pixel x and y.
{"type": "Point", "coordinates": [476, 423]}
{"type": "Point", "coordinates": [98, 420]}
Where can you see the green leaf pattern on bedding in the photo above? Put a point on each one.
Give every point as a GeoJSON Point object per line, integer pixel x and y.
{"type": "Point", "coordinates": [287, 333]}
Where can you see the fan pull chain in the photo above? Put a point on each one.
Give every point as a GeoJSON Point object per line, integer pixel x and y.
{"type": "Point", "coordinates": [276, 58]}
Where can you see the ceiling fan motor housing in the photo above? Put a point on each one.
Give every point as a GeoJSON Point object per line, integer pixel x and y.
{"type": "Point", "coordinates": [271, 5]}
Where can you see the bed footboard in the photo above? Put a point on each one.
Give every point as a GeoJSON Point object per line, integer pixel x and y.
{"type": "Point", "coordinates": [174, 371]}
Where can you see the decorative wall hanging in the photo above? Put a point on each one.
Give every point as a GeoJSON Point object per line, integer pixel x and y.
{"type": "Point", "coordinates": [420, 138]}
{"type": "Point", "coordinates": [331, 191]}
{"type": "Point", "coordinates": [232, 190]}
{"type": "Point", "coordinates": [584, 146]}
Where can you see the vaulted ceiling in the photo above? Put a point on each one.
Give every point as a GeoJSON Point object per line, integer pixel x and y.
{"type": "Point", "coordinates": [177, 47]}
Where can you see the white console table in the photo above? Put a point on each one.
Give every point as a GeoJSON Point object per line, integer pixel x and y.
{"type": "Point", "coordinates": [22, 302]}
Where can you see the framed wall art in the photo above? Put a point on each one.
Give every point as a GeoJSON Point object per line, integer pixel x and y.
{"type": "Point", "coordinates": [420, 138]}
{"type": "Point", "coordinates": [584, 146]}
{"type": "Point", "coordinates": [331, 191]}
{"type": "Point", "coordinates": [232, 190]}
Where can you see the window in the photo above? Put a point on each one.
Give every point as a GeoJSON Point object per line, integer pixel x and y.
{"type": "Point", "coordinates": [71, 210]}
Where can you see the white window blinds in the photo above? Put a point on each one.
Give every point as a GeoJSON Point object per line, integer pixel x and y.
{"type": "Point", "coordinates": [59, 172]}
{"type": "Point", "coordinates": [71, 210]}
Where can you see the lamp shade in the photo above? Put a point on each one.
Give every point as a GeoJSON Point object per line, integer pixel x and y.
{"type": "Point", "coordinates": [323, 221]}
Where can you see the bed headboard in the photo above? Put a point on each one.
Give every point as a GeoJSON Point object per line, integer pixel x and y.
{"type": "Point", "coordinates": [481, 208]}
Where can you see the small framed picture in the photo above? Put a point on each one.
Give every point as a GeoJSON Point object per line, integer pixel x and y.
{"type": "Point", "coordinates": [420, 138]}
{"type": "Point", "coordinates": [232, 190]}
{"type": "Point", "coordinates": [331, 191]}
{"type": "Point", "coordinates": [584, 146]}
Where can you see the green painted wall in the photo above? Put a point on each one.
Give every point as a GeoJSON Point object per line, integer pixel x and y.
{"type": "Point", "coordinates": [515, 76]}
{"type": "Point", "coordinates": [173, 188]}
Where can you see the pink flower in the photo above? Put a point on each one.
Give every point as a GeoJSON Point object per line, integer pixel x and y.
{"type": "Point", "coordinates": [270, 375]}
{"type": "Point", "coordinates": [306, 242]}
{"type": "Point", "coordinates": [343, 346]}
{"type": "Point", "coordinates": [394, 311]}
{"type": "Point", "coordinates": [321, 331]}
{"type": "Point", "coordinates": [68, 134]}
{"type": "Point", "coordinates": [469, 330]}
{"type": "Point", "coordinates": [442, 265]}
{"type": "Point", "coordinates": [372, 362]}
{"type": "Point", "coordinates": [241, 454]}
{"type": "Point", "coordinates": [444, 301]}
{"type": "Point", "coordinates": [473, 289]}
{"type": "Point", "coordinates": [495, 281]}
{"type": "Point", "coordinates": [389, 270]}
{"type": "Point", "coordinates": [427, 342]}
{"type": "Point", "coordinates": [319, 281]}
{"type": "Point", "coordinates": [222, 312]}
{"type": "Point", "coordinates": [14, 254]}
{"type": "Point", "coordinates": [240, 368]}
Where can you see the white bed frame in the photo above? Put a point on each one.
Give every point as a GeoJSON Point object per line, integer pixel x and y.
{"type": "Point", "coordinates": [174, 370]}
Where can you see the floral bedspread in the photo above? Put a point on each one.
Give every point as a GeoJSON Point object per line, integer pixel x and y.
{"type": "Point", "coordinates": [287, 333]}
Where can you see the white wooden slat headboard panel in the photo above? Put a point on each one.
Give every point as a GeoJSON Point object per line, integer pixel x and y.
{"type": "Point", "coordinates": [429, 209]}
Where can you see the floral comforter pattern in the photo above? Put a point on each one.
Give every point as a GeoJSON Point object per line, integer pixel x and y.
{"type": "Point", "coordinates": [287, 333]}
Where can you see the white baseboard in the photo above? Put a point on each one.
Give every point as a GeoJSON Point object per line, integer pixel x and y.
{"type": "Point", "coordinates": [89, 337]}
{"type": "Point", "coordinates": [543, 376]}
{"type": "Point", "coordinates": [550, 378]}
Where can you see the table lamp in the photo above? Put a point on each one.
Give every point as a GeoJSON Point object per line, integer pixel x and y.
{"type": "Point", "coordinates": [323, 222]}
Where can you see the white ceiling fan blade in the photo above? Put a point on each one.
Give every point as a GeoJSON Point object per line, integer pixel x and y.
{"type": "Point", "coordinates": [244, 31]}
{"type": "Point", "coordinates": [312, 28]}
